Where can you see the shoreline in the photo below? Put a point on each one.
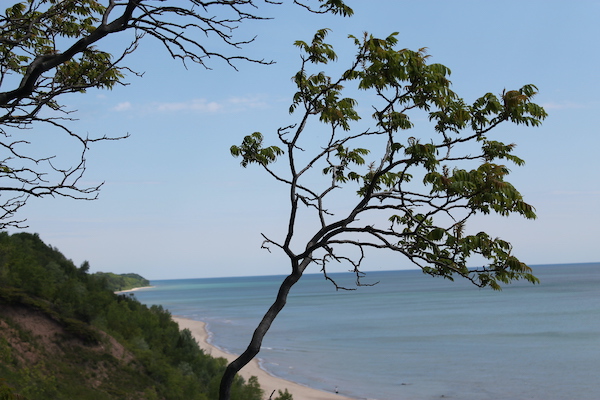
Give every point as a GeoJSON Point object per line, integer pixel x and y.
{"type": "Point", "coordinates": [133, 289]}
{"type": "Point", "coordinates": [268, 382]}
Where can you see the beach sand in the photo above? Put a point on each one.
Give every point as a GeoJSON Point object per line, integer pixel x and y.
{"type": "Point", "coordinates": [134, 289]}
{"type": "Point", "coordinates": [267, 382]}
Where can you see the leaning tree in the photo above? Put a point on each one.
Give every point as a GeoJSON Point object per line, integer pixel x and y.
{"type": "Point", "coordinates": [416, 192]}
{"type": "Point", "coordinates": [49, 48]}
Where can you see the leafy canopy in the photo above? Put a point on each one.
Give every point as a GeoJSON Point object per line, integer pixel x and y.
{"type": "Point", "coordinates": [415, 195]}
{"type": "Point", "coordinates": [167, 362]}
{"type": "Point", "coordinates": [426, 188]}
{"type": "Point", "coordinates": [49, 48]}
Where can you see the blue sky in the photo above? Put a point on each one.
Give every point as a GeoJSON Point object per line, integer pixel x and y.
{"type": "Point", "coordinates": [175, 204]}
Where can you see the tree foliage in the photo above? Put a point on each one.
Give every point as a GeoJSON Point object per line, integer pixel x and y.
{"type": "Point", "coordinates": [120, 282]}
{"type": "Point", "coordinates": [49, 48]}
{"type": "Point", "coordinates": [415, 192]}
{"type": "Point", "coordinates": [168, 362]}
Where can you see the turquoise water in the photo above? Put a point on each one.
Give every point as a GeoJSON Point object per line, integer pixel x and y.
{"type": "Point", "coordinates": [412, 336]}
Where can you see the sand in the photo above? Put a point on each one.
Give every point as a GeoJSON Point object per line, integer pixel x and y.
{"type": "Point", "coordinates": [134, 289]}
{"type": "Point", "coordinates": [267, 382]}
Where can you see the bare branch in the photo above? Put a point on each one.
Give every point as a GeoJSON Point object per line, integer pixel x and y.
{"type": "Point", "coordinates": [52, 48]}
{"type": "Point", "coordinates": [414, 200]}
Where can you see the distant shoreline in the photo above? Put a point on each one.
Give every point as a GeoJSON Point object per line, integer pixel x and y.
{"type": "Point", "coordinates": [133, 289]}
{"type": "Point", "coordinates": [267, 381]}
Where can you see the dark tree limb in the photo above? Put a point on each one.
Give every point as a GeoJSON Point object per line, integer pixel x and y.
{"type": "Point", "coordinates": [424, 221]}
{"type": "Point", "coordinates": [51, 48]}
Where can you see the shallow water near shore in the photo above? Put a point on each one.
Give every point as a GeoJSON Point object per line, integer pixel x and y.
{"type": "Point", "coordinates": [412, 336]}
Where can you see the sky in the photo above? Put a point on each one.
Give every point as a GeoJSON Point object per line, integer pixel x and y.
{"type": "Point", "coordinates": [175, 204]}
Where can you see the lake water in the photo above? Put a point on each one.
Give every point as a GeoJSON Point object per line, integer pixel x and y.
{"type": "Point", "coordinates": [412, 336]}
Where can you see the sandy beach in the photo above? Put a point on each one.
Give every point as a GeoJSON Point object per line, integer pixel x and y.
{"type": "Point", "coordinates": [267, 382]}
{"type": "Point", "coordinates": [133, 290]}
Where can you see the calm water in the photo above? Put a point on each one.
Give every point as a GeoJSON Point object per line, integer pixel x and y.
{"type": "Point", "coordinates": [413, 336]}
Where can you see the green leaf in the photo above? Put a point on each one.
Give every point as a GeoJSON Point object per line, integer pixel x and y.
{"type": "Point", "coordinates": [436, 234]}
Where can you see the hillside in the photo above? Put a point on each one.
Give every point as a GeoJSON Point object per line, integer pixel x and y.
{"type": "Point", "coordinates": [121, 282]}
{"type": "Point", "coordinates": [42, 359]}
{"type": "Point", "coordinates": [64, 334]}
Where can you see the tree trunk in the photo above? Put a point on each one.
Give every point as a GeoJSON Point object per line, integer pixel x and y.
{"type": "Point", "coordinates": [261, 330]}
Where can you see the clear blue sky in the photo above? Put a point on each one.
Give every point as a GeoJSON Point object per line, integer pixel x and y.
{"type": "Point", "coordinates": [176, 205]}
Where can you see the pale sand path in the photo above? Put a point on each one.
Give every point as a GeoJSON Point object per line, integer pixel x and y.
{"type": "Point", "coordinates": [267, 382]}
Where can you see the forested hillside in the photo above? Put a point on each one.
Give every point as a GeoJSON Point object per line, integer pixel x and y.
{"type": "Point", "coordinates": [64, 334]}
{"type": "Point", "coordinates": [120, 282]}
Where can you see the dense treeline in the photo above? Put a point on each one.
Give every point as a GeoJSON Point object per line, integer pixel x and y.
{"type": "Point", "coordinates": [120, 282]}
{"type": "Point", "coordinates": [166, 363]}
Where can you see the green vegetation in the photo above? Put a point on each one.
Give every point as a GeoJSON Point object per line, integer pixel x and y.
{"type": "Point", "coordinates": [68, 354]}
{"type": "Point", "coordinates": [52, 48]}
{"type": "Point", "coordinates": [411, 194]}
{"type": "Point", "coordinates": [117, 283]}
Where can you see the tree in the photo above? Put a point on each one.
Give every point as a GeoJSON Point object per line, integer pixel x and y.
{"type": "Point", "coordinates": [415, 195]}
{"type": "Point", "coordinates": [49, 48]}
